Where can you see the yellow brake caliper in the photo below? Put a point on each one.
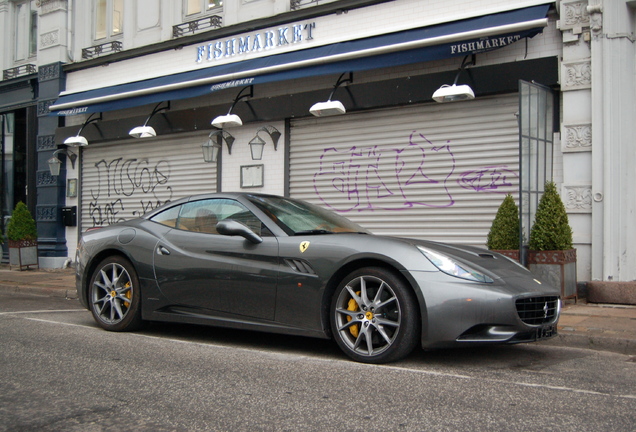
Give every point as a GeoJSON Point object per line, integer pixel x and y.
{"type": "Point", "coordinates": [353, 306]}
{"type": "Point", "coordinates": [128, 294]}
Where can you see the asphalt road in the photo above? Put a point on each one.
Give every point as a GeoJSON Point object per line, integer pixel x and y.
{"type": "Point", "coordinates": [60, 372]}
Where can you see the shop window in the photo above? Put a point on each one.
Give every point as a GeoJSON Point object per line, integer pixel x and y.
{"type": "Point", "coordinates": [109, 18]}
{"type": "Point", "coordinates": [14, 134]}
{"type": "Point", "coordinates": [194, 8]}
{"type": "Point", "coordinates": [26, 30]}
{"type": "Point", "coordinates": [6, 179]}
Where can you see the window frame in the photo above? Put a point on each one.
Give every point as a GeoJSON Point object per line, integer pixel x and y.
{"type": "Point", "coordinates": [109, 21]}
{"type": "Point", "coordinates": [203, 11]}
{"type": "Point", "coordinates": [25, 40]}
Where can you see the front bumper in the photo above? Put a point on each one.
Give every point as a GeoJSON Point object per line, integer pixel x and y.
{"type": "Point", "coordinates": [456, 312]}
{"type": "Point", "coordinates": [507, 334]}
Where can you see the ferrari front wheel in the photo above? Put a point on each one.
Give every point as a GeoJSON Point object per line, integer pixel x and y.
{"type": "Point", "coordinates": [374, 316]}
{"type": "Point", "coordinates": [114, 295]}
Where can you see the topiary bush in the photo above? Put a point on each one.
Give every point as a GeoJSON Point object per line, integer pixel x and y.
{"type": "Point", "coordinates": [504, 232]}
{"type": "Point", "coordinates": [21, 226]}
{"type": "Point", "coordinates": [551, 228]}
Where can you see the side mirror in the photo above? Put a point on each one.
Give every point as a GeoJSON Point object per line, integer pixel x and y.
{"type": "Point", "coordinates": [233, 228]}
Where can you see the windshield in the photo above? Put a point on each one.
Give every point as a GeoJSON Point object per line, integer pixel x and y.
{"type": "Point", "coordinates": [299, 217]}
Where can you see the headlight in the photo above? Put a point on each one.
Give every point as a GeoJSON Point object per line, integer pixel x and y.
{"type": "Point", "coordinates": [453, 268]}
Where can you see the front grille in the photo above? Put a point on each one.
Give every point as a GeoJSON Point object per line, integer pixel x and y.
{"type": "Point", "coordinates": [538, 310]}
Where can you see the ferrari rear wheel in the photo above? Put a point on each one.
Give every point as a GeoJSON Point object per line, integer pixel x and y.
{"type": "Point", "coordinates": [374, 316]}
{"type": "Point", "coordinates": [114, 295]}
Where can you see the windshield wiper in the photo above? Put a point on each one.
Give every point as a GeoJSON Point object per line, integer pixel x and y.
{"type": "Point", "coordinates": [314, 231]}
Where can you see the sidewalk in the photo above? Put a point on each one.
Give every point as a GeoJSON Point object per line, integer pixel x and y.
{"type": "Point", "coordinates": [582, 325]}
{"type": "Point", "coordinates": [51, 282]}
{"type": "Point", "coordinates": [597, 326]}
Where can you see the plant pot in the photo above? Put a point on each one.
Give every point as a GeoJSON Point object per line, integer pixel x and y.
{"type": "Point", "coordinates": [558, 268]}
{"type": "Point", "coordinates": [23, 253]}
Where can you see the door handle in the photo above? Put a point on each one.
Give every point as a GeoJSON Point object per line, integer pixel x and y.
{"type": "Point", "coordinates": [161, 250]}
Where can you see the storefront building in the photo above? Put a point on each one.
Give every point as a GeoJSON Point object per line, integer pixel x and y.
{"type": "Point", "coordinates": [31, 75]}
{"type": "Point", "coordinates": [393, 159]}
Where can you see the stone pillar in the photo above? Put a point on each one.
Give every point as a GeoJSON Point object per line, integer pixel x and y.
{"type": "Point", "coordinates": [613, 106]}
{"type": "Point", "coordinates": [598, 134]}
{"type": "Point", "coordinates": [53, 50]}
{"type": "Point", "coordinates": [576, 129]}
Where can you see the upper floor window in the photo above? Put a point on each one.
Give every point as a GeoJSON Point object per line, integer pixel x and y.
{"type": "Point", "coordinates": [109, 18]}
{"type": "Point", "coordinates": [201, 7]}
{"type": "Point", "coordinates": [26, 30]}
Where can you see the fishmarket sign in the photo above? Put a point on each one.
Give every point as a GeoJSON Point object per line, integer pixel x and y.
{"type": "Point", "coordinates": [255, 42]}
{"type": "Point", "coordinates": [484, 44]}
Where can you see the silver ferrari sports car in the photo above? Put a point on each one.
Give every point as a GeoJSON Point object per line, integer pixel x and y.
{"type": "Point", "coordinates": [274, 264]}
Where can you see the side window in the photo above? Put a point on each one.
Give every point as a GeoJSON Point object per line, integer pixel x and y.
{"type": "Point", "coordinates": [167, 217]}
{"type": "Point", "coordinates": [202, 216]}
{"type": "Point", "coordinates": [199, 216]}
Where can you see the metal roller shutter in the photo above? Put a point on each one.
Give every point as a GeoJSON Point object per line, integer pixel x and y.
{"type": "Point", "coordinates": [434, 171]}
{"type": "Point", "coordinates": [124, 180]}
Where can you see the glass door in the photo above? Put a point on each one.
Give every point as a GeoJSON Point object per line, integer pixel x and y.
{"type": "Point", "coordinates": [536, 127]}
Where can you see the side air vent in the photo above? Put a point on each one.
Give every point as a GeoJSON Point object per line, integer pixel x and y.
{"type": "Point", "coordinates": [300, 266]}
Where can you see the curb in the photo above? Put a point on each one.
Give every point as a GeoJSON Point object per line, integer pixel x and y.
{"type": "Point", "coordinates": [597, 343]}
{"type": "Point", "coordinates": [69, 294]}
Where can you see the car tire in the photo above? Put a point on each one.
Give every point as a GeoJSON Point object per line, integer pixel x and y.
{"type": "Point", "coordinates": [114, 295]}
{"type": "Point", "coordinates": [374, 316]}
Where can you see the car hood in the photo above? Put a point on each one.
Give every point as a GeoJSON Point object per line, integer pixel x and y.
{"type": "Point", "coordinates": [508, 275]}
{"type": "Point", "coordinates": [488, 262]}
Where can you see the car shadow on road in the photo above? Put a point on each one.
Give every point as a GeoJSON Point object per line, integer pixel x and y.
{"type": "Point", "coordinates": [526, 356]}
{"type": "Point", "coordinates": [523, 356]}
{"type": "Point", "coordinates": [245, 339]}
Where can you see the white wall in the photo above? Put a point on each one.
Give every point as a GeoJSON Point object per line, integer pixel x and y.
{"type": "Point", "coordinates": [273, 161]}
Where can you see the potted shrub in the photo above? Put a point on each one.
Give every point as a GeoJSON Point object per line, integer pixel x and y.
{"type": "Point", "coordinates": [22, 237]}
{"type": "Point", "coordinates": [503, 236]}
{"type": "Point", "coordinates": [551, 255]}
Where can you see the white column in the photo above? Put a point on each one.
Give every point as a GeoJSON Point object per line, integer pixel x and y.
{"type": "Point", "coordinates": [576, 128]}
{"type": "Point", "coordinates": [614, 111]}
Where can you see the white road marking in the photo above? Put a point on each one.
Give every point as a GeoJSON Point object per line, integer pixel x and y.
{"type": "Point", "coordinates": [347, 362]}
{"type": "Point", "coordinates": [521, 384]}
{"type": "Point", "coordinates": [42, 311]}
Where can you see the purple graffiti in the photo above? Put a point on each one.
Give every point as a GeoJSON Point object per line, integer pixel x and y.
{"type": "Point", "coordinates": [387, 179]}
{"type": "Point", "coordinates": [488, 179]}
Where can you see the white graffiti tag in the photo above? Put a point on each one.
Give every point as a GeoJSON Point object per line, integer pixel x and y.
{"type": "Point", "coordinates": [130, 178]}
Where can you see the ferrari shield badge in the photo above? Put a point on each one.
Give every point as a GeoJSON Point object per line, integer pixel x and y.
{"type": "Point", "coordinates": [303, 246]}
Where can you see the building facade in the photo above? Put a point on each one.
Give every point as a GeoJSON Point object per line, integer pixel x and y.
{"type": "Point", "coordinates": [33, 45]}
{"type": "Point", "coordinates": [553, 86]}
